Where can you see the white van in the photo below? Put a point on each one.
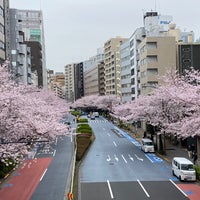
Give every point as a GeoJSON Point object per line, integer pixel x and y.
{"type": "Point", "coordinates": [96, 114]}
{"type": "Point", "coordinates": [183, 169]}
{"type": "Point", "coordinates": [147, 145]}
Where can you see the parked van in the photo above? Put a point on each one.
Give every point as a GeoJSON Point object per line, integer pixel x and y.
{"type": "Point", "coordinates": [147, 145]}
{"type": "Point", "coordinates": [96, 114]}
{"type": "Point", "coordinates": [183, 169]}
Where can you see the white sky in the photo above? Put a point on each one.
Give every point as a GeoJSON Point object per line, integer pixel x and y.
{"type": "Point", "coordinates": [74, 29]}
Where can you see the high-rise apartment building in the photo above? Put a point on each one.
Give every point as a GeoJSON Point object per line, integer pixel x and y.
{"type": "Point", "coordinates": [74, 81]}
{"type": "Point", "coordinates": [32, 26]}
{"type": "Point", "coordinates": [20, 66]}
{"type": "Point", "coordinates": [93, 68]}
{"type": "Point", "coordinates": [157, 56]}
{"type": "Point", "coordinates": [2, 32]}
{"type": "Point", "coordinates": [69, 82]}
{"type": "Point", "coordinates": [125, 71]}
{"type": "Point", "coordinates": [188, 56]}
{"type": "Point", "coordinates": [135, 39]}
{"type": "Point", "coordinates": [78, 81]}
{"type": "Point", "coordinates": [112, 66]}
{"type": "Point", "coordinates": [7, 29]}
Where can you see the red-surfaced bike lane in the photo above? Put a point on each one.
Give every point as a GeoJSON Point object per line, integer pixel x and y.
{"type": "Point", "coordinates": [191, 190]}
{"type": "Point", "coordinates": [24, 181]}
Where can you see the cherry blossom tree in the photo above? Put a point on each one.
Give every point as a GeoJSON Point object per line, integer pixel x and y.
{"type": "Point", "coordinates": [27, 115]}
{"type": "Point", "coordinates": [173, 106]}
{"type": "Point", "coordinates": [105, 102]}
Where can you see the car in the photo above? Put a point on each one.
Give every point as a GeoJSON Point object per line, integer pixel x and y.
{"type": "Point", "coordinates": [147, 145]}
{"type": "Point", "coordinates": [183, 169]}
{"type": "Point", "coordinates": [96, 114]}
{"type": "Point", "coordinates": [92, 117]}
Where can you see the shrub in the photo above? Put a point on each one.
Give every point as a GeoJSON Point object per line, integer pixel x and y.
{"type": "Point", "coordinates": [83, 139]}
{"type": "Point", "coordinates": [5, 169]}
{"type": "Point", "coordinates": [82, 120]}
{"type": "Point", "coordinates": [197, 169]}
{"type": "Point", "coordinates": [75, 113]}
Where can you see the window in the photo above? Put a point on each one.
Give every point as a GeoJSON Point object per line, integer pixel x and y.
{"type": "Point", "coordinates": [152, 71]}
{"type": "Point", "coordinates": [151, 45]}
{"type": "Point", "coordinates": [152, 59]}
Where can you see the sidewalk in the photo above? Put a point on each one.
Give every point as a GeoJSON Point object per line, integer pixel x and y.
{"type": "Point", "coordinates": [174, 151]}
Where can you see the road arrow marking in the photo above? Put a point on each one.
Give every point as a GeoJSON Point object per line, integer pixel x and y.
{"type": "Point", "coordinates": [116, 158]}
{"type": "Point", "coordinates": [108, 159]}
{"type": "Point", "coordinates": [138, 158]}
{"type": "Point", "coordinates": [124, 159]}
{"type": "Point", "coordinates": [130, 157]}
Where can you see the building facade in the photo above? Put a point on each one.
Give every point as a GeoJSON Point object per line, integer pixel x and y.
{"type": "Point", "coordinates": [69, 82]}
{"type": "Point", "coordinates": [33, 28]}
{"type": "Point", "coordinates": [112, 66]}
{"type": "Point", "coordinates": [188, 56]}
{"type": "Point", "coordinates": [125, 71]}
{"type": "Point", "coordinates": [135, 39]}
{"type": "Point", "coordinates": [20, 66]}
{"type": "Point", "coordinates": [157, 56]}
{"type": "Point", "coordinates": [2, 31]}
{"type": "Point", "coordinates": [36, 60]}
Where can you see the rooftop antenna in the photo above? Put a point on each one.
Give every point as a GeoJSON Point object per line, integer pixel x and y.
{"type": "Point", "coordinates": [40, 5]}
{"type": "Point", "coordinates": [155, 6]}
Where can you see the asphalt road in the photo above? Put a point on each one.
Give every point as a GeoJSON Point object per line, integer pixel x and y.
{"type": "Point", "coordinates": [53, 184]}
{"type": "Point", "coordinates": [116, 168]}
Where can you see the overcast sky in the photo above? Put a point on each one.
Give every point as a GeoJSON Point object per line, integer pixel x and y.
{"type": "Point", "coordinates": [74, 29]}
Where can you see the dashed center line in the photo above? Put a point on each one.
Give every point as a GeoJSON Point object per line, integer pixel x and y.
{"type": "Point", "coordinates": [147, 194]}
{"type": "Point", "coordinates": [110, 190]}
{"type": "Point", "coordinates": [114, 143]}
{"type": "Point", "coordinates": [124, 158]}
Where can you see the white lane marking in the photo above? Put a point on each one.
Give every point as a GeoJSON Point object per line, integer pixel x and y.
{"type": "Point", "coordinates": [138, 158]}
{"type": "Point", "coordinates": [108, 134]}
{"type": "Point", "coordinates": [178, 188]}
{"type": "Point", "coordinates": [114, 143]}
{"type": "Point", "coordinates": [116, 158]}
{"type": "Point", "coordinates": [143, 188]}
{"type": "Point", "coordinates": [110, 190]}
{"type": "Point", "coordinates": [43, 174]}
{"type": "Point", "coordinates": [108, 158]}
{"type": "Point", "coordinates": [130, 157]}
{"type": "Point", "coordinates": [124, 158]}
{"type": "Point", "coordinates": [54, 153]}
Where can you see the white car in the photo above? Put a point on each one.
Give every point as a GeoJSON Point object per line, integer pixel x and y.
{"type": "Point", "coordinates": [183, 169]}
{"type": "Point", "coordinates": [147, 145]}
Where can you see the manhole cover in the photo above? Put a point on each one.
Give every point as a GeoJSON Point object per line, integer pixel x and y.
{"type": "Point", "coordinates": [111, 163]}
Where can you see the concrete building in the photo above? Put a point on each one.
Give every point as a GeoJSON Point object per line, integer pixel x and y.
{"type": "Point", "coordinates": [7, 29]}
{"type": "Point", "coordinates": [94, 80]}
{"type": "Point", "coordinates": [36, 60]}
{"type": "Point", "coordinates": [69, 82]}
{"type": "Point", "coordinates": [94, 74]}
{"type": "Point", "coordinates": [157, 56]}
{"type": "Point", "coordinates": [155, 24]}
{"type": "Point", "coordinates": [135, 39]}
{"type": "Point", "coordinates": [112, 66]}
{"type": "Point", "coordinates": [32, 26]}
{"type": "Point", "coordinates": [94, 60]}
{"type": "Point", "coordinates": [78, 81]}
{"type": "Point", "coordinates": [20, 65]}
{"type": "Point", "coordinates": [58, 84]}
{"type": "Point", "coordinates": [188, 56]}
{"type": "Point", "coordinates": [2, 32]}
{"type": "Point", "coordinates": [125, 71]}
